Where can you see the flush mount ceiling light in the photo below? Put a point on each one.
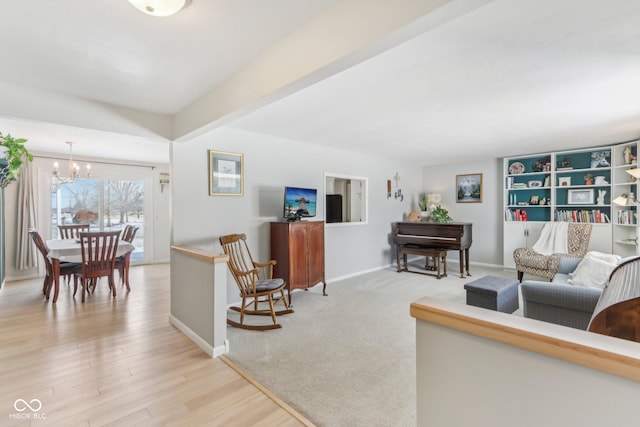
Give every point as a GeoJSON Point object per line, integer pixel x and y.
{"type": "Point", "coordinates": [160, 7]}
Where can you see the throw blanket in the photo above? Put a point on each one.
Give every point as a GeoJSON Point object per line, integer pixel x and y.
{"type": "Point", "coordinates": [553, 239]}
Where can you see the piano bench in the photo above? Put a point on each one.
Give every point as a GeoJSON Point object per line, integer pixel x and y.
{"type": "Point", "coordinates": [493, 292]}
{"type": "Point", "coordinates": [439, 257]}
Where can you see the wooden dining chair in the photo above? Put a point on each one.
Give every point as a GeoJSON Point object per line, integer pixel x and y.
{"type": "Point", "coordinates": [124, 261]}
{"type": "Point", "coordinates": [66, 268]}
{"type": "Point", "coordinates": [72, 231]}
{"type": "Point", "coordinates": [98, 260]}
{"type": "Point", "coordinates": [255, 282]}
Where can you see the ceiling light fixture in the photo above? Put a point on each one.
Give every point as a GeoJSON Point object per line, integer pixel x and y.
{"type": "Point", "coordinates": [73, 170]}
{"type": "Point", "coordinates": [160, 7]}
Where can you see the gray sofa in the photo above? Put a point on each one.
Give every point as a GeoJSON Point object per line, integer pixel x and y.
{"type": "Point", "coordinates": [558, 301]}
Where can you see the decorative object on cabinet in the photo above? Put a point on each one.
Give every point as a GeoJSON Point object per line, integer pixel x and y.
{"type": "Point", "coordinates": [627, 155]}
{"type": "Point", "coordinates": [256, 284]}
{"type": "Point", "coordinates": [529, 261]}
{"type": "Point", "coordinates": [601, 159]}
{"type": "Point", "coordinates": [542, 165]}
{"type": "Point", "coordinates": [564, 181]}
{"type": "Point", "coordinates": [564, 164]}
{"type": "Point", "coordinates": [601, 180]}
{"type": "Point", "coordinates": [298, 248]}
{"type": "Point", "coordinates": [226, 173]}
{"type": "Point", "coordinates": [440, 214]}
{"type": "Point", "coordinates": [516, 168]}
{"type": "Point", "coordinates": [588, 179]}
{"type": "Point", "coordinates": [534, 184]}
{"type": "Point", "coordinates": [414, 217]}
{"type": "Point", "coordinates": [600, 200]}
{"type": "Point", "coordinates": [580, 197]}
{"type": "Point", "coordinates": [469, 188]}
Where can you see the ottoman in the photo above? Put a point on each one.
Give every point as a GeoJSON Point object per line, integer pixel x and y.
{"type": "Point", "coordinates": [494, 293]}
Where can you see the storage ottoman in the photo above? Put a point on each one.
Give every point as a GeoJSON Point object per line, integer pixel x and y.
{"type": "Point", "coordinates": [494, 293]}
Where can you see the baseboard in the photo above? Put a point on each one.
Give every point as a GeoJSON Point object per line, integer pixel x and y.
{"type": "Point", "coordinates": [205, 346]}
{"type": "Point", "coordinates": [393, 265]}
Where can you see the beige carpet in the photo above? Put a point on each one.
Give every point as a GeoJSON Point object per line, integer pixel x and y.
{"type": "Point", "coordinates": [348, 359]}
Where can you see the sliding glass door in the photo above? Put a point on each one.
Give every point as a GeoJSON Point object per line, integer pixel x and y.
{"type": "Point", "coordinates": [105, 204]}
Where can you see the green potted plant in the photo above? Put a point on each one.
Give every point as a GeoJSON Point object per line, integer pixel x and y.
{"type": "Point", "coordinates": [422, 203]}
{"type": "Point", "coordinates": [13, 150]}
{"type": "Point", "coordinates": [440, 214]}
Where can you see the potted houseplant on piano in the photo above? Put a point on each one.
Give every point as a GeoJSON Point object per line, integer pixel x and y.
{"type": "Point", "coordinates": [424, 207]}
{"type": "Point", "coordinates": [13, 152]}
{"type": "Point", "coordinates": [440, 214]}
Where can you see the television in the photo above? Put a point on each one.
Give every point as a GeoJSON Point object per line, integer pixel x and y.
{"type": "Point", "coordinates": [299, 203]}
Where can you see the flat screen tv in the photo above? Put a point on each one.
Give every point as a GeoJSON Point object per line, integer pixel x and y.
{"type": "Point", "coordinates": [299, 202]}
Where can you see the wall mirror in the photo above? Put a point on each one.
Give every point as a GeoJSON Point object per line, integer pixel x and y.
{"type": "Point", "coordinates": [346, 199]}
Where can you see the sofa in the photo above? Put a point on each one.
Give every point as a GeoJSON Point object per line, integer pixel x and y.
{"type": "Point", "coordinates": [559, 301]}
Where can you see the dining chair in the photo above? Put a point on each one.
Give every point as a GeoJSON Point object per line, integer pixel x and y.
{"type": "Point", "coordinates": [71, 231]}
{"type": "Point", "coordinates": [124, 261]}
{"type": "Point", "coordinates": [255, 282]}
{"type": "Point", "coordinates": [98, 260]}
{"type": "Point", "coordinates": [66, 268]}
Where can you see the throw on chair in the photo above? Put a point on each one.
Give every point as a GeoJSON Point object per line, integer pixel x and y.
{"type": "Point", "coordinates": [542, 259]}
{"type": "Point", "coordinates": [255, 282]}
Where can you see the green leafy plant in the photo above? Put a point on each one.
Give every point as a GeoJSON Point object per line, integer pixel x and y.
{"type": "Point", "coordinates": [440, 214]}
{"type": "Point", "coordinates": [422, 203]}
{"type": "Point", "coordinates": [15, 154]}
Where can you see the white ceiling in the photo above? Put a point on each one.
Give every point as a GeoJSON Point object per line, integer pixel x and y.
{"type": "Point", "coordinates": [509, 77]}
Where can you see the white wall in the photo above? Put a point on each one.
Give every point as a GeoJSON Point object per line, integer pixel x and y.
{"type": "Point", "coordinates": [269, 165]}
{"type": "Point", "coordinates": [41, 170]}
{"type": "Point", "coordinates": [486, 216]}
{"type": "Point", "coordinates": [468, 380]}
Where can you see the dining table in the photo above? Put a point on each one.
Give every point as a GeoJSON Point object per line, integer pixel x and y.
{"type": "Point", "coordinates": [69, 250]}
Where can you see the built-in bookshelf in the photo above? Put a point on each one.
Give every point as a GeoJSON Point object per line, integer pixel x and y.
{"type": "Point", "coordinates": [572, 186]}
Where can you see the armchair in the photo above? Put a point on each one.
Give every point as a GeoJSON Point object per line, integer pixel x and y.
{"type": "Point", "coordinates": [560, 302]}
{"type": "Point", "coordinates": [529, 261]}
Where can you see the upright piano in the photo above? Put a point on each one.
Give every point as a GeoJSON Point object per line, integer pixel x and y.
{"type": "Point", "coordinates": [432, 235]}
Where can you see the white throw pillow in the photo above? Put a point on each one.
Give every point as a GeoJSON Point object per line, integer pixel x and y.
{"type": "Point", "coordinates": [610, 258]}
{"type": "Point", "coordinates": [594, 270]}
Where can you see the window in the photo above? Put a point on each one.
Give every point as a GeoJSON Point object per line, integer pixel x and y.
{"type": "Point", "coordinates": [107, 205]}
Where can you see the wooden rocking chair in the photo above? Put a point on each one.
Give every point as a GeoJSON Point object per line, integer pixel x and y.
{"type": "Point", "coordinates": [255, 282]}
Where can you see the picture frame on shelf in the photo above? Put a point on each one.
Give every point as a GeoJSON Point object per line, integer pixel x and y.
{"type": "Point", "coordinates": [564, 181]}
{"type": "Point", "coordinates": [580, 197]}
{"type": "Point", "coordinates": [226, 173]}
{"type": "Point", "coordinates": [469, 188]}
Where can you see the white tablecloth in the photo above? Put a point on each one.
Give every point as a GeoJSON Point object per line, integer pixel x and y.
{"type": "Point", "coordinates": [69, 250]}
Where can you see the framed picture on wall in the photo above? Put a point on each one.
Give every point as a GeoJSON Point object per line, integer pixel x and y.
{"type": "Point", "coordinates": [226, 173]}
{"type": "Point", "coordinates": [469, 188]}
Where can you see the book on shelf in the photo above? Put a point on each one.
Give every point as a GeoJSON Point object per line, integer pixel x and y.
{"type": "Point", "coordinates": [594, 216]}
{"type": "Point", "coordinates": [515, 215]}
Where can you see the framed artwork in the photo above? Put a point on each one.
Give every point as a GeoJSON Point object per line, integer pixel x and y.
{"type": "Point", "coordinates": [580, 197]}
{"type": "Point", "coordinates": [469, 188]}
{"type": "Point", "coordinates": [226, 173]}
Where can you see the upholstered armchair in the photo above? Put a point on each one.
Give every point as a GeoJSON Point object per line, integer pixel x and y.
{"type": "Point", "coordinates": [529, 261]}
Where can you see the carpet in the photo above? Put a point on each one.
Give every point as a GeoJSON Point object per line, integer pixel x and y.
{"type": "Point", "coordinates": [348, 359]}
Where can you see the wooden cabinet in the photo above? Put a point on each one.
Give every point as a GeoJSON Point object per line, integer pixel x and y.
{"type": "Point", "coordinates": [298, 247]}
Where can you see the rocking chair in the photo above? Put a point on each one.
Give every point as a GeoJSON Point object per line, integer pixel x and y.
{"type": "Point", "coordinates": [255, 282]}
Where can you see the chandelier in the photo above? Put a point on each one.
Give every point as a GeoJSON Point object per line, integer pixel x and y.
{"type": "Point", "coordinates": [160, 7]}
{"type": "Point", "coordinates": [73, 170]}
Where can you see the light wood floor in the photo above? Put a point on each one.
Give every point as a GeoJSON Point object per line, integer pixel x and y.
{"type": "Point", "coordinates": [117, 362]}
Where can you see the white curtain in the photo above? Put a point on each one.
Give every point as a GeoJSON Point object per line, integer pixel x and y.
{"type": "Point", "coordinates": [26, 252]}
